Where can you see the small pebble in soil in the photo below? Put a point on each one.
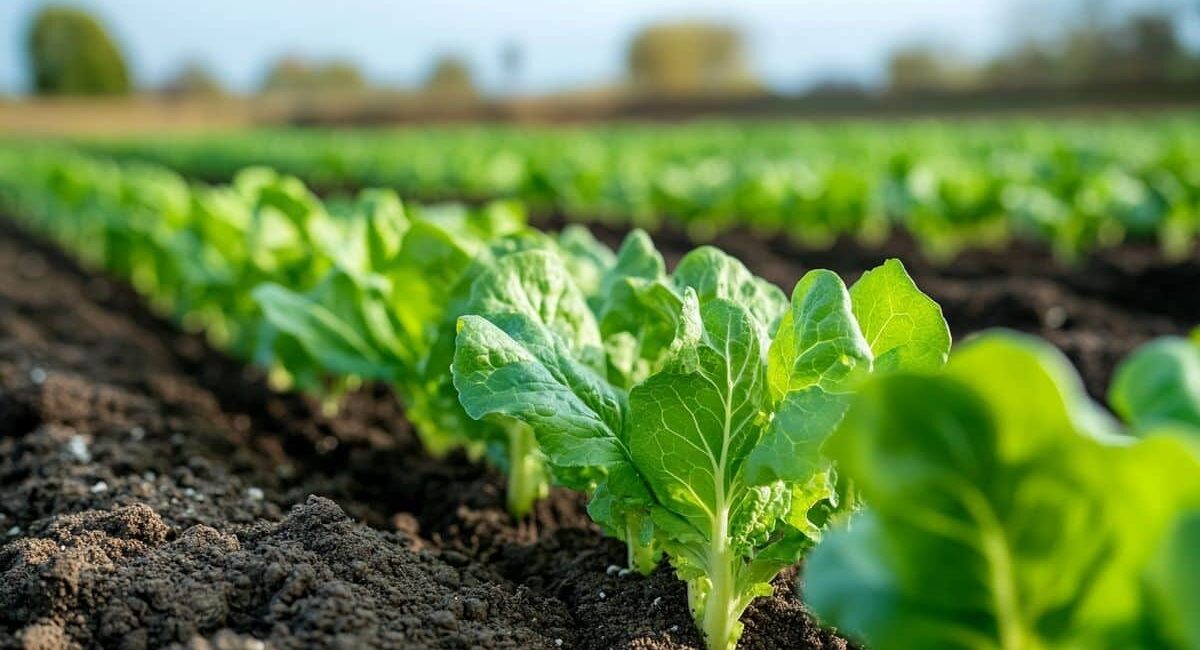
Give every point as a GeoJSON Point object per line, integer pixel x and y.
{"type": "Point", "coordinates": [673, 628]}
{"type": "Point", "coordinates": [558, 643]}
{"type": "Point", "coordinates": [1055, 317]}
{"type": "Point", "coordinates": [657, 600]}
{"type": "Point", "coordinates": [254, 494]}
{"type": "Point", "coordinates": [99, 487]}
{"type": "Point", "coordinates": [14, 531]}
{"type": "Point", "coordinates": [78, 447]}
{"type": "Point", "coordinates": [603, 595]}
{"type": "Point", "coordinates": [37, 375]}
{"type": "Point", "coordinates": [137, 434]}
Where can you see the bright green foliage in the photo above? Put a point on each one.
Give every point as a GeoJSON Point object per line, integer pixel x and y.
{"type": "Point", "coordinates": [1005, 511]}
{"type": "Point", "coordinates": [71, 54]}
{"type": "Point", "coordinates": [712, 455]}
{"type": "Point", "coordinates": [330, 295]}
{"type": "Point", "coordinates": [1074, 183]}
{"type": "Point", "coordinates": [376, 314]}
{"type": "Point", "coordinates": [1159, 383]}
{"type": "Point", "coordinates": [1174, 585]}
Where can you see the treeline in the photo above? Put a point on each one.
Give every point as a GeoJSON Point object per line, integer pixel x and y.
{"type": "Point", "coordinates": [1144, 49]}
{"type": "Point", "coordinates": [72, 54]}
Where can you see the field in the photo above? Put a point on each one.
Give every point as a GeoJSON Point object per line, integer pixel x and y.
{"type": "Point", "coordinates": [240, 410]}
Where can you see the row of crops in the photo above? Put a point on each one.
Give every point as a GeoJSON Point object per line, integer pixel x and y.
{"type": "Point", "coordinates": [974, 498]}
{"type": "Point", "coordinates": [1075, 184]}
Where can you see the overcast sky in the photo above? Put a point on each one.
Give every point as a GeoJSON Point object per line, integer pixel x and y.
{"type": "Point", "coordinates": [566, 43]}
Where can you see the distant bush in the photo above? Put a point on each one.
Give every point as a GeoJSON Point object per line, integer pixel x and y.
{"type": "Point", "coordinates": [689, 58]}
{"type": "Point", "coordinates": [450, 78]}
{"type": "Point", "coordinates": [193, 80]}
{"type": "Point", "coordinates": [293, 74]}
{"type": "Point", "coordinates": [71, 54]}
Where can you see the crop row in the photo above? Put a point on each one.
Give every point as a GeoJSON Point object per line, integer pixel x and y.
{"type": "Point", "coordinates": [1074, 184]}
{"type": "Point", "coordinates": [974, 499]}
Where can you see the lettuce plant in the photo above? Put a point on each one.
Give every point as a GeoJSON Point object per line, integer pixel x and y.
{"type": "Point", "coordinates": [549, 277]}
{"type": "Point", "coordinates": [387, 312]}
{"type": "Point", "coordinates": [702, 438]}
{"type": "Point", "coordinates": [1006, 510]}
{"type": "Point", "coordinates": [1159, 383]}
{"type": "Point", "coordinates": [376, 313]}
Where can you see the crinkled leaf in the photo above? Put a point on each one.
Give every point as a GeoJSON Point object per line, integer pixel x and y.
{"type": "Point", "coordinates": [819, 342]}
{"type": "Point", "coordinates": [512, 365]}
{"type": "Point", "coordinates": [695, 422]}
{"type": "Point", "coordinates": [904, 327]}
{"type": "Point", "coordinates": [791, 446]}
{"type": "Point", "coordinates": [716, 275]}
{"type": "Point", "coordinates": [537, 284]}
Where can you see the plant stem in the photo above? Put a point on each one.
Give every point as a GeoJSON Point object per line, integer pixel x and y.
{"type": "Point", "coordinates": [526, 474]}
{"type": "Point", "coordinates": [719, 618]}
{"type": "Point", "coordinates": [640, 557]}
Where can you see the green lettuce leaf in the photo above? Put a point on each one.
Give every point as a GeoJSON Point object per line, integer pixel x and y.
{"type": "Point", "coordinates": [1159, 384]}
{"type": "Point", "coordinates": [1003, 511]}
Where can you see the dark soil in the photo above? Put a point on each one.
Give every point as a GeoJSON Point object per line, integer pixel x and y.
{"type": "Point", "coordinates": [154, 492]}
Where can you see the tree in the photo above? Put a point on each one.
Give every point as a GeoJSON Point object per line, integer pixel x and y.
{"type": "Point", "coordinates": [689, 58]}
{"type": "Point", "coordinates": [923, 68]}
{"type": "Point", "coordinates": [297, 75]}
{"type": "Point", "coordinates": [71, 54]}
{"type": "Point", "coordinates": [450, 78]}
{"type": "Point", "coordinates": [1155, 51]}
{"type": "Point", "coordinates": [193, 80]}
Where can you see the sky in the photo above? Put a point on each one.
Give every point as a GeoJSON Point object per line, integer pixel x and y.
{"type": "Point", "coordinates": [565, 43]}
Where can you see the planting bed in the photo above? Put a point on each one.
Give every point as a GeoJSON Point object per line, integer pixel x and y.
{"type": "Point", "coordinates": [152, 491]}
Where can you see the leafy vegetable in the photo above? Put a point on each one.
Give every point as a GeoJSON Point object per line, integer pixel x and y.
{"type": "Point", "coordinates": [1159, 383]}
{"type": "Point", "coordinates": [712, 454]}
{"type": "Point", "coordinates": [1174, 585]}
{"type": "Point", "coordinates": [1005, 509]}
{"type": "Point", "coordinates": [1074, 184]}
